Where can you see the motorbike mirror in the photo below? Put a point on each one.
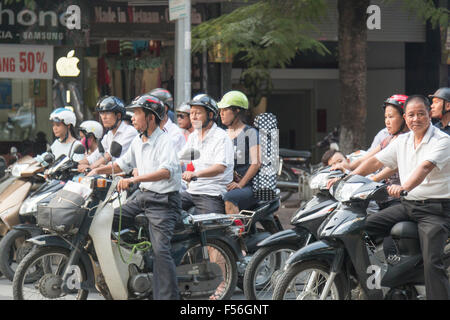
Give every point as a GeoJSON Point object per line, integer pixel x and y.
{"type": "Point", "coordinates": [189, 154]}
{"type": "Point", "coordinates": [116, 149]}
{"type": "Point", "coordinates": [13, 150]}
{"type": "Point", "coordinates": [49, 158]}
{"type": "Point", "coordinates": [100, 148]}
{"type": "Point", "coordinates": [79, 149]}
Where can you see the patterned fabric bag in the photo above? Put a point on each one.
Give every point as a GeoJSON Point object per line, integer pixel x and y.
{"type": "Point", "coordinates": [265, 181]}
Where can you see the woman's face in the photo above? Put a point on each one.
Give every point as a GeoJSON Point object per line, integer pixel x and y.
{"type": "Point", "coordinates": [227, 116]}
{"type": "Point", "coordinates": [392, 119]}
{"type": "Point", "coordinates": [59, 129]}
{"type": "Point", "coordinates": [183, 119]}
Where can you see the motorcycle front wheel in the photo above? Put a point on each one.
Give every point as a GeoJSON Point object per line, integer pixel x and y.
{"type": "Point", "coordinates": [306, 281]}
{"type": "Point", "coordinates": [53, 261]}
{"type": "Point", "coordinates": [13, 247]}
{"type": "Point", "coordinates": [264, 269]}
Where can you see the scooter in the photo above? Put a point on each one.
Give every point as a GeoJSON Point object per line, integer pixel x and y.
{"type": "Point", "coordinates": [13, 246]}
{"type": "Point", "coordinates": [88, 257]}
{"type": "Point", "coordinates": [346, 256]}
{"type": "Point", "coordinates": [267, 263]}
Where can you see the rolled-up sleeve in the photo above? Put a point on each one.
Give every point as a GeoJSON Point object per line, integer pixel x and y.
{"type": "Point", "coordinates": [168, 158]}
{"type": "Point", "coordinates": [388, 156]}
{"type": "Point", "coordinates": [440, 154]}
{"type": "Point", "coordinates": [127, 162]}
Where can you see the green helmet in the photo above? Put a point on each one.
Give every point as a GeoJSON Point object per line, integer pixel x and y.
{"type": "Point", "coordinates": [234, 99]}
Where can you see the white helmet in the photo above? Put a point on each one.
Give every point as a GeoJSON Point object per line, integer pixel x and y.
{"type": "Point", "coordinates": [184, 107]}
{"type": "Point", "coordinates": [63, 115]}
{"type": "Point", "coordinates": [93, 127]}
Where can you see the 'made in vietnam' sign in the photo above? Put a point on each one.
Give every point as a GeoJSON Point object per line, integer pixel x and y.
{"type": "Point", "coordinates": [48, 22]}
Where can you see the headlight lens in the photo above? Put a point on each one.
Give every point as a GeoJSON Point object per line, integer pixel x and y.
{"type": "Point", "coordinates": [319, 181]}
{"type": "Point", "coordinates": [346, 190]}
{"type": "Point", "coordinates": [18, 168]}
{"type": "Point", "coordinates": [30, 205]}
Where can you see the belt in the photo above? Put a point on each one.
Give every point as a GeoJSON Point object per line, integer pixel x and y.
{"type": "Point", "coordinates": [428, 201]}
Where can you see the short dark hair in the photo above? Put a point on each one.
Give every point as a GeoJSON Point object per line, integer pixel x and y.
{"type": "Point", "coordinates": [328, 155]}
{"type": "Point", "coordinates": [417, 97]}
{"type": "Point", "coordinates": [147, 112]}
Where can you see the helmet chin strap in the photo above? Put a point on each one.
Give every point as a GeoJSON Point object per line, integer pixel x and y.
{"type": "Point", "coordinates": [114, 125]}
{"type": "Point", "coordinates": [66, 136]}
{"type": "Point", "coordinates": [145, 131]}
{"type": "Point", "coordinates": [402, 127]}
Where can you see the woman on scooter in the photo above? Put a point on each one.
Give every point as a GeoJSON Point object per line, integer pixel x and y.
{"type": "Point", "coordinates": [90, 133]}
{"type": "Point", "coordinates": [63, 124]}
{"type": "Point", "coordinates": [232, 108]}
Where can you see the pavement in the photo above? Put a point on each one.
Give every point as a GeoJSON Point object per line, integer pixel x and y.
{"type": "Point", "coordinates": [284, 214]}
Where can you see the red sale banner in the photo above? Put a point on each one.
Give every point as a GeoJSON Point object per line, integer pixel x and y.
{"type": "Point", "coordinates": [26, 61]}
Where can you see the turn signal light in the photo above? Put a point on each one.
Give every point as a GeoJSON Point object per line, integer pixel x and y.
{"type": "Point", "coordinates": [101, 183]}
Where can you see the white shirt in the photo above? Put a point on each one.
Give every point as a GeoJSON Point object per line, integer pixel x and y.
{"type": "Point", "coordinates": [434, 147]}
{"type": "Point", "coordinates": [175, 134]}
{"type": "Point", "coordinates": [59, 148]}
{"type": "Point", "coordinates": [381, 135]}
{"type": "Point", "coordinates": [124, 135]}
{"type": "Point", "coordinates": [150, 156]}
{"type": "Point", "coordinates": [215, 148]}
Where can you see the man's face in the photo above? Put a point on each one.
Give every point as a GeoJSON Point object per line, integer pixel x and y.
{"type": "Point", "coordinates": [417, 116]}
{"type": "Point", "coordinates": [198, 116]}
{"type": "Point", "coordinates": [108, 118]}
{"type": "Point", "coordinates": [338, 158]}
{"type": "Point", "coordinates": [436, 108]}
{"type": "Point", "coordinates": [183, 119]}
{"type": "Point", "coordinates": [138, 119]}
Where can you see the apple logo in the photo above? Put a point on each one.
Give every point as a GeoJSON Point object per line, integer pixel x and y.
{"type": "Point", "coordinates": [67, 66]}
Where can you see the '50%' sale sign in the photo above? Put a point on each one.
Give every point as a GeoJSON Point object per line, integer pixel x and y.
{"type": "Point", "coordinates": [26, 61]}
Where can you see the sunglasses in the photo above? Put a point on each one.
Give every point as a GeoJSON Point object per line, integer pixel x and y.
{"type": "Point", "coordinates": [182, 116]}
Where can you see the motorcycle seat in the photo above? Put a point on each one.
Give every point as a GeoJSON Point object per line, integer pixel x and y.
{"type": "Point", "coordinates": [294, 153]}
{"type": "Point", "coordinates": [405, 229]}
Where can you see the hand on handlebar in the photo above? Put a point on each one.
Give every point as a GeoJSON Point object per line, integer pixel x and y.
{"type": "Point", "coordinates": [396, 191]}
{"type": "Point", "coordinates": [125, 184]}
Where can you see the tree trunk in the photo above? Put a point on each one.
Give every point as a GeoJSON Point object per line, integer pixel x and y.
{"type": "Point", "coordinates": [352, 73]}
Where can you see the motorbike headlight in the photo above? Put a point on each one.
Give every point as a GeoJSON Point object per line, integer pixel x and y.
{"type": "Point", "coordinates": [17, 169]}
{"type": "Point", "coordinates": [345, 191]}
{"type": "Point", "coordinates": [319, 181]}
{"type": "Point", "coordinates": [30, 205]}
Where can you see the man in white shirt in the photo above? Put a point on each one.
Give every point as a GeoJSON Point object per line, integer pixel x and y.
{"type": "Point", "coordinates": [152, 153]}
{"type": "Point", "coordinates": [214, 169]}
{"type": "Point", "coordinates": [112, 111]}
{"type": "Point", "coordinates": [422, 157]}
{"type": "Point", "coordinates": [167, 124]}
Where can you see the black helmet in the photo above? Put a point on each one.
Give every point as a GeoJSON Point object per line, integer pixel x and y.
{"type": "Point", "coordinates": [164, 95]}
{"type": "Point", "coordinates": [148, 102]}
{"type": "Point", "coordinates": [442, 93]}
{"type": "Point", "coordinates": [205, 101]}
{"type": "Point", "coordinates": [112, 104]}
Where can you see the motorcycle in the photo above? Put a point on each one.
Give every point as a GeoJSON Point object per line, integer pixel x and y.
{"type": "Point", "coordinates": [13, 246]}
{"type": "Point", "coordinates": [295, 168]}
{"type": "Point", "coordinates": [267, 263]}
{"type": "Point", "coordinates": [82, 254]}
{"type": "Point", "coordinates": [345, 256]}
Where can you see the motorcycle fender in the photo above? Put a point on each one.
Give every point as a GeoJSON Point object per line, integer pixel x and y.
{"type": "Point", "coordinates": [50, 240]}
{"type": "Point", "coordinates": [30, 228]}
{"type": "Point", "coordinates": [232, 243]}
{"type": "Point", "coordinates": [318, 250]}
{"type": "Point", "coordinates": [291, 236]}
{"type": "Point", "coordinates": [252, 241]}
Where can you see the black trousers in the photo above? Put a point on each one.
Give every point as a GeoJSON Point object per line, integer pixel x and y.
{"type": "Point", "coordinates": [203, 203]}
{"type": "Point", "coordinates": [433, 220]}
{"type": "Point", "coordinates": [162, 211]}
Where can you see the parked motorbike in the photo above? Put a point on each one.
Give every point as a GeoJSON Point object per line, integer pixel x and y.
{"type": "Point", "coordinates": [267, 263]}
{"type": "Point", "coordinates": [295, 168]}
{"type": "Point", "coordinates": [13, 246]}
{"type": "Point", "coordinates": [346, 256]}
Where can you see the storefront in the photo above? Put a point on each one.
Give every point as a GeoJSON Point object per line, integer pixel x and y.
{"type": "Point", "coordinates": [132, 51]}
{"type": "Point", "coordinates": [32, 40]}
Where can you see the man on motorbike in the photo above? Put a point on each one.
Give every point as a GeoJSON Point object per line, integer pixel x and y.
{"type": "Point", "coordinates": [63, 124]}
{"type": "Point", "coordinates": [153, 154]}
{"type": "Point", "coordinates": [166, 124]}
{"type": "Point", "coordinates": [246, 152]}
{"type": "Point", "coordinates": [214, 168]}
{"type": "Point", "coordinates": [440, 109]}
{"type": "Point", "coordinates": [90, 132]}
{"type": "Point", "coordinates": [112, 111]}
{"type": "Point", "coordinates": [422, 157]}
